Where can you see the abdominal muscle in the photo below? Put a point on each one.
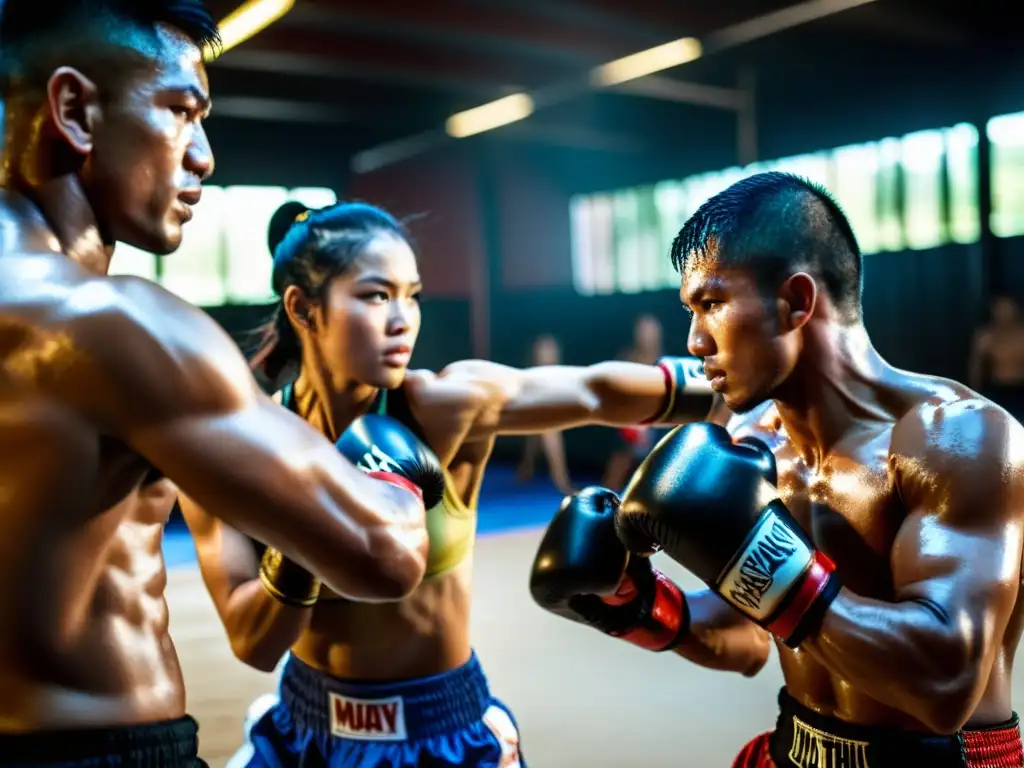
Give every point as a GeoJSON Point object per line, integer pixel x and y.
{"type": "Point", "coordinates": [425, 634]}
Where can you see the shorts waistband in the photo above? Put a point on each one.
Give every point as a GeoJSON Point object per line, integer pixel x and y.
{"type": "Point", "coordinates": [166, 744]}
{"type": "Point", "coordinates": [405, 710]}
{"type": "Point", "coordinates": [807, 739]}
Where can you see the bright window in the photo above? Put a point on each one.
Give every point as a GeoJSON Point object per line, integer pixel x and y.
{"type": "Point", "coordinates": [923, 216]}
{"type": "Point", "coordinates": [962, 167]}
{"type": "Point", "coordinates": [891, 191]}
{"type": "Point", "coordinates": [856, 189]}
{"type": "Point", "coordinates": [1006, 134]}
{"type": "Point", "coordinates": [223, 256]}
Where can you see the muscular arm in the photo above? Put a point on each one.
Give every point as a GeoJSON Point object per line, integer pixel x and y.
{"type": "Point", "coordinates": [260, 629]}
{"type": "Point", "coordinates": [956, 567]}
{"type": "Point", "coordinates": [720, 637]}
{"type": "Point", "coordinates": [170, 383]}
{"type": "Point", "coordinates": [512, 400]}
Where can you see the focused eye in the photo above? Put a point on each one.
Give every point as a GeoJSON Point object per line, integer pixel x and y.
{"type": "Point", "coordinates": [708, 304]}
{"type": "Point", "coordinates": [376, 297]}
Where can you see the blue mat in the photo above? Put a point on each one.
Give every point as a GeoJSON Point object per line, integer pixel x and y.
{"type": "Point", "coordinates": [505, 505]}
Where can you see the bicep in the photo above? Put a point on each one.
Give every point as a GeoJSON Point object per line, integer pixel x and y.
{"type": "Point", "coordinates": [959, 569]}
{"type": "Point", "coordinates": [959, 549]}
{"type": "Point", "coordinates": [227, 557]}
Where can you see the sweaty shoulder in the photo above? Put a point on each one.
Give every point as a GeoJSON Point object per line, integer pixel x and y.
{"type": "Point", "coordinates": [444, 403]}
{"type": "Point", "coordinates": [463, 385]}
{"type": "Point", "coordinates": [117, 349]}
{"type": "Point", "coordinates": [954, 436]}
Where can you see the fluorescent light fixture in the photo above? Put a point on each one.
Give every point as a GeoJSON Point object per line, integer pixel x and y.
{"type": "Point", "coordinates": [249, 19]}
{"type": "Point", "coordinates": [647, 62]}
{"type": "Point", "coordinates": [494, 114]}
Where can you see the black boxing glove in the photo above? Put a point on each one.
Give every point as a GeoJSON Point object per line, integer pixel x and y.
{"type": "Point", "coordinates": [582, 572]}
{"type": "Point", "coordinates": [710, 505]}
{"type": "Point", "coordinates": [387, 450]}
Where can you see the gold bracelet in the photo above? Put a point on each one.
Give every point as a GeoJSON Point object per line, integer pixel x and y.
{"type": "Point", "coordinates": [288, 582]}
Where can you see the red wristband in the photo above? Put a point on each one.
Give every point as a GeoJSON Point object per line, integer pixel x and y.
{"type": "Point", "coordinates": [817, 577]}
{"type": "Point", "coordinates": [399, 480]}
{"type": "Point", "coordinates": [667, 620]}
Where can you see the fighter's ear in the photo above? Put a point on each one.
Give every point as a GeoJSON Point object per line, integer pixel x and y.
{"type": "Point", "coordinates": [74, 103]}
{"type": "Point", "coordinates": [797, 298]}
{"type": "Point", "coordinates": [298, 306]}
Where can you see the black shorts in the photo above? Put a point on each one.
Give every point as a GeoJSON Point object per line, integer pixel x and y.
{"type": "Point", "coordinates": [169, 744]}
{"type": "Point", "coordinates": [805, 739]}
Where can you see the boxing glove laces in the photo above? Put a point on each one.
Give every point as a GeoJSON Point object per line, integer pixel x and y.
{"type": "Point", "coordinates": [583, 573]}
{"type": "Point", "coordinates": [711, 505]}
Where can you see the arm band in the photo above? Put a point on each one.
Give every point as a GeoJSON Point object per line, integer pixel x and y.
{"type": "Point", "coordinates": [287, 582]}
{"type": "Point", "coordinates": [684, 379]}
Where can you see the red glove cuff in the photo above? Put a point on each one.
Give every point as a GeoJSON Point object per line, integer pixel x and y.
{"type": "Point", "coordinates": [399, 480]}
{"type": "Point", "coordinates": [668, 619]}
{"type": "Point", "coordinates": [819, 574]}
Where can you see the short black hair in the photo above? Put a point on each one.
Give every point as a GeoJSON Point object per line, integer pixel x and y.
{"type": "Point", "coordinates": [36, 34]}
{"type": "Point", "coordinates": [776, 224]}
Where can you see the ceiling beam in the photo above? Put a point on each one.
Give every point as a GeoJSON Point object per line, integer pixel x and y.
{"type": "Point", "coordinates": [573, 137]}
{"type": "Point", "coordinates": [323, 53]}
{"type": "Point", "coordinates": [491, 31]}
{"type": "Point", "coordinates": [732, 36]}
{"type": "Point", "coordinates": [330, 68]}
{"type": "Point", "coordinates": [699, 94]}
{"type": "Point", "coordinates": [286, 111]}
{"type": "Point", "coordinates": [392, 152]}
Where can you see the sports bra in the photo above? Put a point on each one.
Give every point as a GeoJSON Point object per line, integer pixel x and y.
{"type": "Point", "coordinates": [451, 525]}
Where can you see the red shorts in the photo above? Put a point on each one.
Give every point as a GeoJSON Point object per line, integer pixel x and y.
{"type": "Point", "coordinates": [805, 739]}
{"type": "Point", "coordinates": [755, 754]}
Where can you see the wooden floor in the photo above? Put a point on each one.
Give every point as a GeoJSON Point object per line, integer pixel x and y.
{"type": "Point", "coordinates": [581, 699]}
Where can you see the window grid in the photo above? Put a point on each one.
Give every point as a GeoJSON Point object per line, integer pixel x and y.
{"type": "Point", "coordinates": [914, 192]}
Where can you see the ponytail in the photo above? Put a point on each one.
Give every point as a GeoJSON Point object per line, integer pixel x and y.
{"type": "Point", "coordinates": [278, 349]}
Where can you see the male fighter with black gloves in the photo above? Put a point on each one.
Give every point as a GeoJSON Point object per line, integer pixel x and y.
{"type": "Point", "coordinates": [885, 560]}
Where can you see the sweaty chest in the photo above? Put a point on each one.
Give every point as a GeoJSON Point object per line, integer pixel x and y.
{"type": "Point", "coordinates": [850, 508]}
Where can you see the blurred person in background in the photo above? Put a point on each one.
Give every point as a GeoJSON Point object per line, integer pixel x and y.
{"type": "Point", "coordinates": [997, 356]}
{"type": "Point", "coordinates": [546, 352]}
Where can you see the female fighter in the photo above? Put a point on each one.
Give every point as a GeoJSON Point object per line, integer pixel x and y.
{"type": "Point", "coordinates": [393, 684]}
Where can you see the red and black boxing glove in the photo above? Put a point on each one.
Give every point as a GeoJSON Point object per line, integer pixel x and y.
{"type": "Point", "coordinates": [582, 572]}
{"type": "Point", "coordinates": [712, 506]}
{"type": "Point", "coordinates": [387, 450]}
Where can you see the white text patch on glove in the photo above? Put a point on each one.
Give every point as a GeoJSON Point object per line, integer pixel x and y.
{"type": "Point", "coordinates": [367, 719]}
{"type": "Point", "coordinates": [766, 569]}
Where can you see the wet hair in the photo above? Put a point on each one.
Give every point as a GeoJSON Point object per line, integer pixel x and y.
{"type": "Point", "coordinates": [311, 248]}
{"type": "Point", "coordinates": [776, 224]}
{"type": "Point", "coordinates": [37, 36]}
